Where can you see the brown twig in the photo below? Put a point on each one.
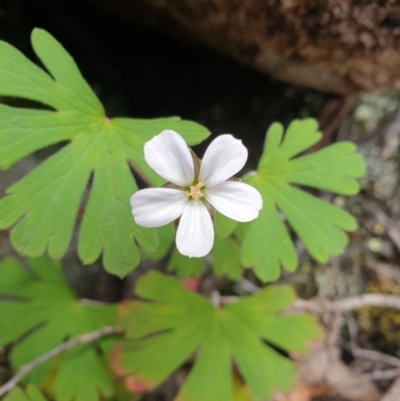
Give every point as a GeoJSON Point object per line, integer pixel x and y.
{"type": "Point", "coordinates": [248, 286]}
{"type": "Point", "coordinates": [371, 355]}
{"type": "Point", "coordinates": [341, 288]}
{"type": "Point", "coordinates": [387, 374]}
{"type": "Point", "coordinates": [329, 119]}
{"type": "Point", "coordinates": [391, 134]}
{"type": "Point", "coordinates": [376, 356]}
{"type": "Point", "coordinates": [319, 306]}
{"type": "Point", "coordinates": [347, 304]}
{"type": "Point", "coordinates": [139, 174]}
{"type": "Point", "coordinates": [385, 269]}
{"type": "Point", "coordinates": [383, 218]}
{"type": "Point", "coordinates": [78, 340]}
{"type": "Point", "coordinates": [393, 392]}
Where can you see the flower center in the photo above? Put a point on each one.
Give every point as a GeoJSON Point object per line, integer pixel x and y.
{"type": "Point", "coordinates": [195, 192]}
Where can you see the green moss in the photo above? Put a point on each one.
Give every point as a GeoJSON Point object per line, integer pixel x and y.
{"type": "Point", "coordinates": [373, 107]}
{"type": "Point", "coordinates": [380, 326]}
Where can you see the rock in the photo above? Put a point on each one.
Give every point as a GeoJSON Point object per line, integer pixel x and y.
{"type": "Point", "coordinates": [7, 178]}
{"type": "Point", "coordinates": [394, 392]}
{"type": "Point", "coordinates": [15, 173]}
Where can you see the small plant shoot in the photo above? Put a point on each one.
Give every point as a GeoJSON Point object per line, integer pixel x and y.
{"type": "Point", "coordinates": [126, 192]}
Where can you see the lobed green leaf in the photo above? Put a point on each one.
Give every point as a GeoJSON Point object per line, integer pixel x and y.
{"type": "Point", "coordinates": [42, 313]}
{"type": "Point", "coordinates": [224, 226]}
{"type": "Point", "coordinates": [225, 258]}
{"type": "Point", "coordinates": [266, 241]}
{"type": "Point", "coordinates": [185, 267]}
{"type": "Point", "coordinates": [30, 394]}
{"type": "Point", "coordinates": [44, 205]}
{"type": "Point", "coordinates": [174, 323]}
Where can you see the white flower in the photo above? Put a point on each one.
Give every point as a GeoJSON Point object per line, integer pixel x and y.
{"type": "Point", "coordinates": [168, 155]}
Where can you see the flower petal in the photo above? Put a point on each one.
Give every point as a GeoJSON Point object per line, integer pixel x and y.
{"type": "Point", "coordinates": [224, 157]}
{"type": "Point", "coordinates": [195, 235]}
{"type": "Point", "coordinates": [236, 200]}
{"type": "Point", "coordinates": [169, 156]}
{"type": "Point", "coordinates": [155, 207]}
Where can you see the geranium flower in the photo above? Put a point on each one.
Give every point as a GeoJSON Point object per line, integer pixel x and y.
{"type": "Point", "coordinates": [192, 188]}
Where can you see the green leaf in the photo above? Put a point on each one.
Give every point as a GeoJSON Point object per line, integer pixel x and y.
{"type": "Point", "coordinates": [173, 323]}
{"type": "Point", "coordinates": [226, 258]}
{"type": "Point", "coordinates": [266, 241]}
{"type": "Point", "coordinates": [43, 205]}
{"type": "Point", "coordinates": [224, 226]}
{"type": "Point", "coordinates": [166, 235]}
{"type": "Point", "coordinates": [82, 376]}
{"type": "Point", "coordinates": [31, 394]}
{"type": "Point", "coordinates": [225, 261]}
{"type": "Point", "coordinates": [45, 311]}
{"type": "Point", "coordinates": [241, 393]}
{"type": "Point", "coordinates": [185, 267]}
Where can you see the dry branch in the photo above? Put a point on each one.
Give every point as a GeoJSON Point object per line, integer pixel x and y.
{"type": "Point", "coordinates": [347, 304]}
{"type": "Point", "coordinates": [78, 340]}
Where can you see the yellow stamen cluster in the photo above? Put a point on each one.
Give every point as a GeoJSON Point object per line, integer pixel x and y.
{"type": "Point", "coordinates": [195, 192]}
